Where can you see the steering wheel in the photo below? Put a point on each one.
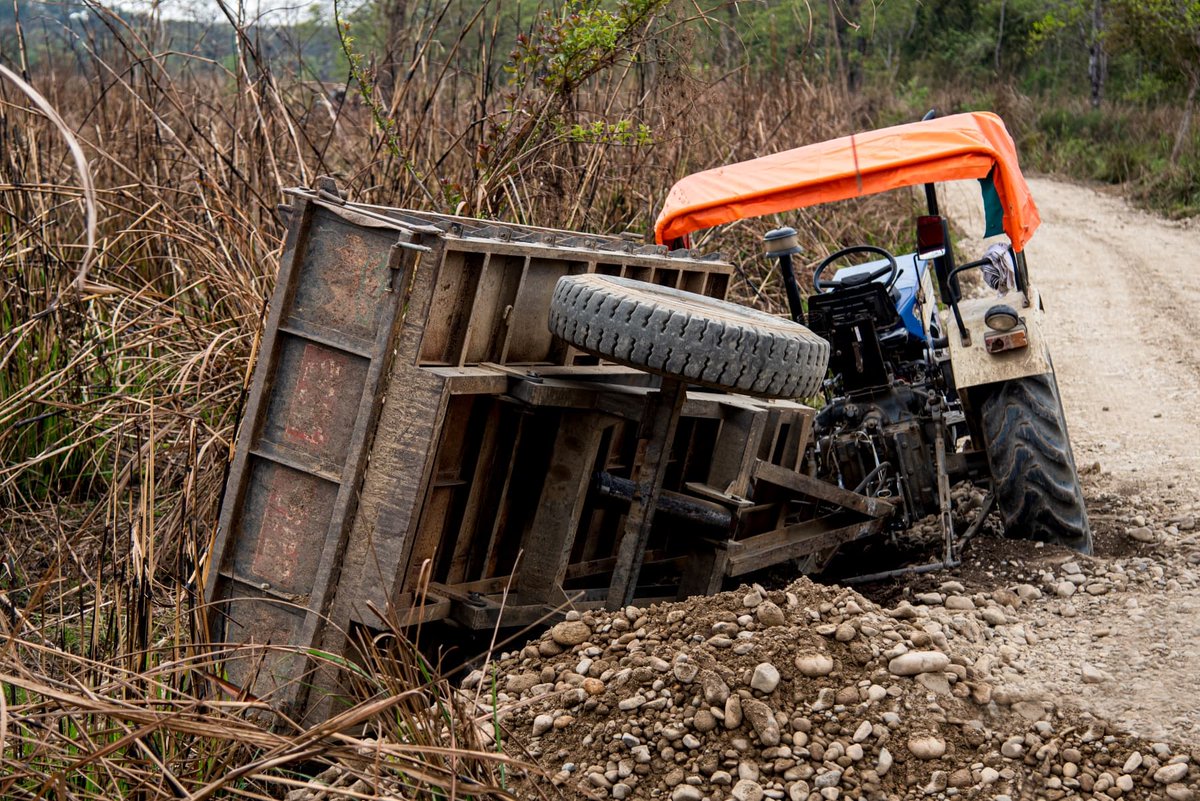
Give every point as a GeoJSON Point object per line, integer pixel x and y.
{"type": "Point", "coordinates": [891, 268]}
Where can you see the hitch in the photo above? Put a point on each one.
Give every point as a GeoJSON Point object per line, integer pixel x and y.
{"type": "Point", "coordinates": [952, 546]}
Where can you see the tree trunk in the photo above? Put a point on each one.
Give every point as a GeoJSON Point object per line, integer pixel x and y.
{"type": "Point", "coordinates": [1000, 35]}
{"type": "Point", "coordinates": [1097, 58]}
{"type": "Point", "coordinates": [843, 79]}
{"type": "Point", "coordinates": [1185, 125]}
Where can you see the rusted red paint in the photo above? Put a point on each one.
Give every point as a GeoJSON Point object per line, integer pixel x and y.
{"type": "Point", "coordinates": [316, 397]}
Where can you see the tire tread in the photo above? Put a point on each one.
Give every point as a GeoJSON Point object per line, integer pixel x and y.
{"type": "Point", "coordinates": [1033, 470]}
{"type": "Point", "coordinates": [739, 349]}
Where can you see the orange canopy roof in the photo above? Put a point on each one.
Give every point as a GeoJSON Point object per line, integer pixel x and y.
{"type": "Point", "coordinates": [944, 149]}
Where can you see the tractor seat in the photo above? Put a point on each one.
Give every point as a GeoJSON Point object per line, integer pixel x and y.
{"type": "Point", "coordinates": [830, 310]}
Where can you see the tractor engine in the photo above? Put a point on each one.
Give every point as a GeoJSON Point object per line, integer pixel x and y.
{"type": "Point", "coordinates": [886, 396]}
{"type": "Point", "coordinates": [881, 445]}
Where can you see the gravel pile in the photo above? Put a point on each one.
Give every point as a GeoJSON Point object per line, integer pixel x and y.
{"type": "Point", "coordinates": [814, 692]}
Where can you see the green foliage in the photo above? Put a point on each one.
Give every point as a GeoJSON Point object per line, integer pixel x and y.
{"type": "Point", "coordinates": [573, 43]}
{"type": "Point", "coordinates": [1120, 145]}
{"type": "Point", "coordinates": [622, 132]}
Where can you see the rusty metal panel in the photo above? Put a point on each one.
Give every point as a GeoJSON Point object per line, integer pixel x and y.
{"type": "Point", "coordinates": [255, 619]}
{"type": "Point", "coordinates": [303, 444]}
{"type": "Point", "coordinates": [282, 527]}
{"type": "Point", "coordinates": [308, 412]}
{"type": "Point", "coordinates": [344, 281]}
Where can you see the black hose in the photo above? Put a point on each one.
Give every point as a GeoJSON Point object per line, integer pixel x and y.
{"type": "Point", "coordinates": [879, 468]}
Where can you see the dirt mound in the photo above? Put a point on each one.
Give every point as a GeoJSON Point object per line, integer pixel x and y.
{"type": "Point", "coordinates": [812, 692]}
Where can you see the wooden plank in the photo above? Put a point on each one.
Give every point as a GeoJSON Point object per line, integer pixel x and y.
{"type": "Point", "coordinates": [509, 330]}
{"type": "Point", "coordinates": [792, 542]}
{"type": "Point", "coordinates": [547, 545]}
{"type": "Point", "coordinates": [736, 448]}
{"type": "Point", "coordinates": [713, 494]}
{"type": "Point", "coordinates": [655, 438]}
{"type": "Point", "coordinates": [472, 380]}
{"type": "Point", "coordinates": [705, 569]}
{"type": "Point", "coordinates": [482, 473]}
{"type": "Point", "coordinates": [822, 490]}
{"type": "Point", "coordinates": [798, 436]}
{"type": "Point", "coordinates": [595, 567]}
{"type": "Point", "coordinates": [714, 269]}
{"type": "Point", "coordinates": [608, 373]}
{"type": "Point", "coordinates": [491, 555]}
{"type": "Point", "coordinates": [452, 290]}
{"type": "Point", "coordinates": [407, 614]}
{"type": "Point", "coordinates": [528, 337]}
{"type": "Point", "coordinates": [478, 314]}
{"type": "Point", "coordinates": [514, 613]}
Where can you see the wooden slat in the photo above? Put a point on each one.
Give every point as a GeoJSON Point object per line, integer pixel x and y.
{"type": "Point", "coordinates": [481, 475]}
{"type": "Point", "coordinates": [736, 448]}
{"type": "Point", "coordinates": [655, 437]}
{"type": "Point", "coordinates": [644, 263]}
{"type": "Point", "coordinates": [547, 545]}
{"type": "Point", "coordinates": [490, 558]}
{"type": "Point", "coordinates": [821, 490]}
{"type": "Point", "coordinates": [792, 542]}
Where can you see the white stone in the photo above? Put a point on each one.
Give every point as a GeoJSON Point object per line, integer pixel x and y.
{"type": "Point", "coordinates": [1094, 675]}
{"type": "Point", "coordinates": [926, 746]}
{"type": "Point", "coordinates": [765, 678]}
{"type": "Point", "coordinates": [885, 761]}
{"type": "Point", "coordinates": [747, 790]}
{"type": "Point", "coordinates": [1169, 774]}
{"type": "Point", "coordinates": [914, 662]}
{"type": "Point", "coordinates": [814, 665]}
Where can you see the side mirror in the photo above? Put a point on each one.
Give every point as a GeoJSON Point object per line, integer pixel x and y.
{"type": "Point", "coordinates": [931, 237]}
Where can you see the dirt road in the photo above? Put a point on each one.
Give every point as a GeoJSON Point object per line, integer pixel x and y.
{"type": "Point", "coordinates": [1122, 289]}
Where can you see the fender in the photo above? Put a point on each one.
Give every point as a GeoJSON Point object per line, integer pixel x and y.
{"type": "Point", "coordinates": [972, 365]}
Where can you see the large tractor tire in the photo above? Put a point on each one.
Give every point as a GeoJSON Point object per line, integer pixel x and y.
{"type": "Point", "coordinates": [692, 337]}
{"type": "Point", "coordinates": [1033, 470]}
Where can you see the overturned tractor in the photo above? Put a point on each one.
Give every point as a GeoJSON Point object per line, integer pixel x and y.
{"type": "Point", "coordinates": [487, 424]}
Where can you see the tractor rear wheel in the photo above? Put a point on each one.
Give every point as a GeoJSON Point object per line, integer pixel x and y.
{"type": "Point", "coordinates": [1033, 470]}
{"type": "Point", "coordinates": [698, 339]}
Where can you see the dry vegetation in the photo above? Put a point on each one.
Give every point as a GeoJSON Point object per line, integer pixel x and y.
{"type": "Point", "coordinates": [119, 401]}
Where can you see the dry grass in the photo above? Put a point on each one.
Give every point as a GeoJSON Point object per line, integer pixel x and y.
{"type": "Point", "coordinates": [119, 402]}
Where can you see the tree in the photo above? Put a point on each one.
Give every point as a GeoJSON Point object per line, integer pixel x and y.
{"type": "Point", "coordinates": [1088, 18]}
{"type": "Point", "coordinates": [1166, 33]}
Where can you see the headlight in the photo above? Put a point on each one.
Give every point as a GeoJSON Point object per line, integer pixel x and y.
{"type": "Point", "coordinates": [1001, 318]}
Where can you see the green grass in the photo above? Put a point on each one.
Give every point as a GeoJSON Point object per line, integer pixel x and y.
{"type": "Point", "coordinates": [1119, 144]}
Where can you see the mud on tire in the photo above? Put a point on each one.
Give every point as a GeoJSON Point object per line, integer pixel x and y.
{"type": "Point", "coordinates": [680, 334]}
{"type": "Point", "coordinates": [1036, 483]}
